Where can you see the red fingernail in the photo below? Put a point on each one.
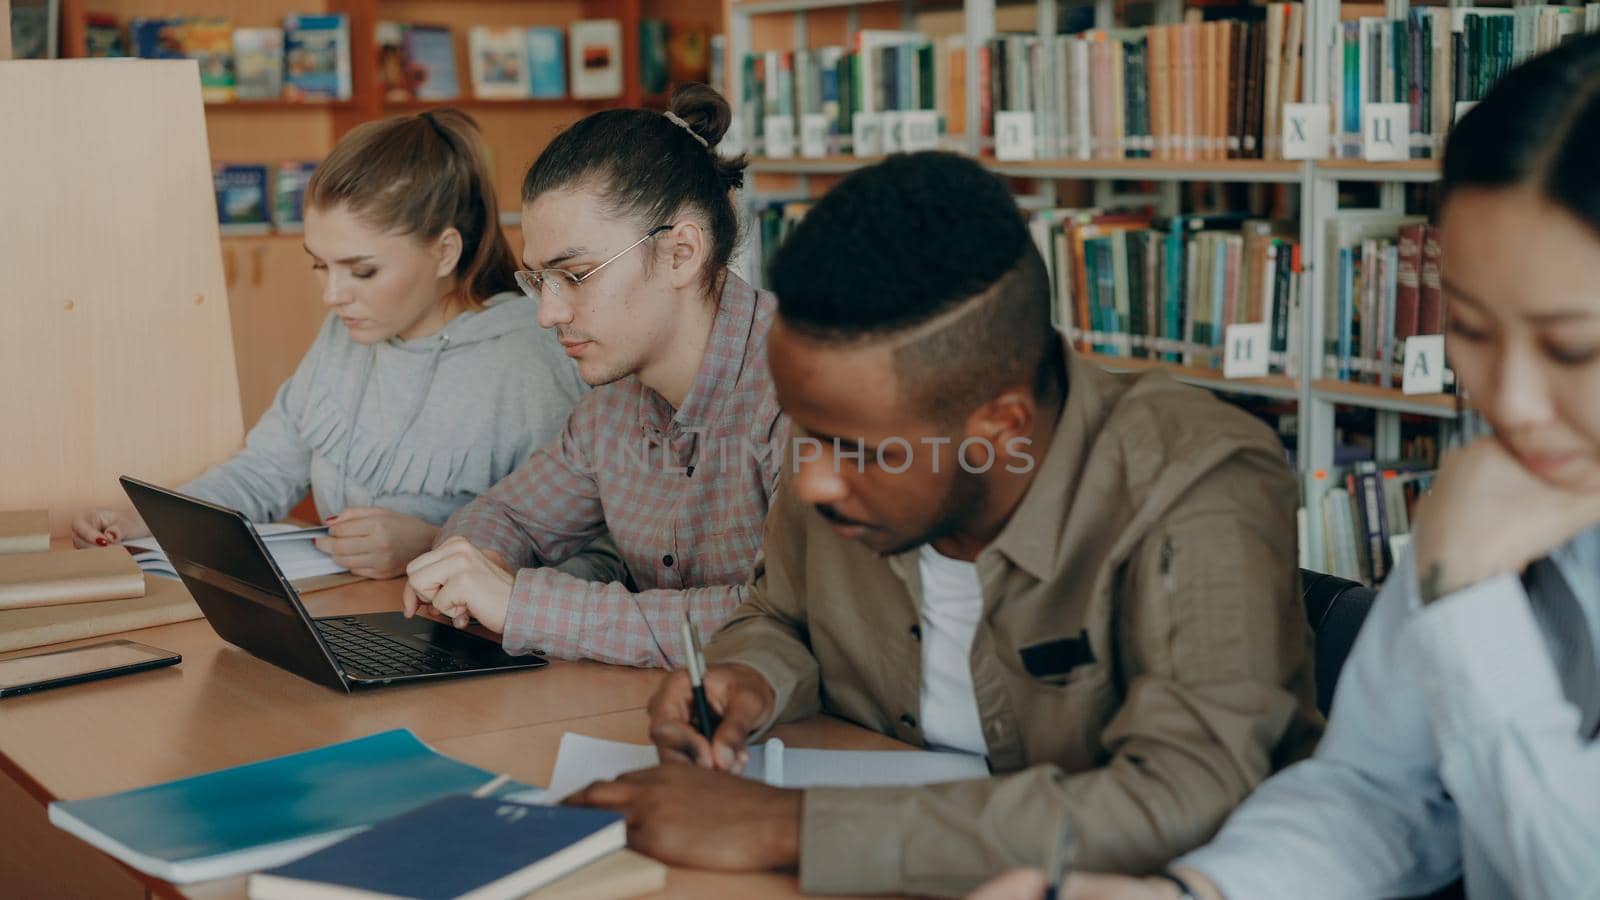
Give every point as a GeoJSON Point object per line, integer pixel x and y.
{"type": "Point", "coordinates": [333, 518]}
{"type": "Point", "coordinates": [101, 541]}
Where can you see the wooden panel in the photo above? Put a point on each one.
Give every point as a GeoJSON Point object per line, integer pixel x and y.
{"type": "Point", "coordinates": [276, 308]}
{"type": "Point", "coordinates": [38, 859]}
{"type": "Point", "coordinates": [118, 354]}
{"type": "Point", "coordinates": [271, 136]}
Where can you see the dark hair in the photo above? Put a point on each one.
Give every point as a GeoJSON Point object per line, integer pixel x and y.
{"type": "Point", "coordinates": [927, 241]}
{"type": "Point", "coordinates": [650, 169]}
{"type": "Point", "coordinates": [420, 175]}
{"type": "Point", "coordinates": [1538, 126]}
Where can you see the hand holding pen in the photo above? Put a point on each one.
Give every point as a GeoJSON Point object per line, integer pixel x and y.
{"type": "Point", "coordinates": [705, 714]}
{"type": "Point", "coordinates": [695, 662]}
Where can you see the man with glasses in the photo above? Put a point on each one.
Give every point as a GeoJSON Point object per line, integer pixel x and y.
{"type": "Point", "coordinates": [676, 451]}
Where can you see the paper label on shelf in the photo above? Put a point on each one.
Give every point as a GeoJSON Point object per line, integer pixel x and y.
{"type": "Point", "coordinates": [1463, 107]}
{"type": "Point", "coordinates": [919, 130]}
{"type": "Point", "coordinates": [1305, 131]}
{"type": "Point", "coordinates": [779, 134]}
{"type": "Point", "coordinates": [893, 129]}
{"type": "Point", "coordinates": [1013, 136]}
{"type": "Point", "coordinates": [814, 135]}
{"type": "Point", "coordinates": [866, 133]}
{"type": "Point", "coordinates": [1385, 132]}
{"type": "Point", "coordinates": [1246, 347]}
{"type": "Point", "coordinates": [1424, 365]}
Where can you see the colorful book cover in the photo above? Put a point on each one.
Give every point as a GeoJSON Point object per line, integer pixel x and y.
{"type": "Point", "coordinates": [397, 76]}
{"type": "Point", "coordinates": [35, 29]}
{"type": "Point", "coordinates": [209, 42]}
{"type": "Point", "coordinates": [103, 36]}
{"type": "Point", "coordinates": [266, 813]}
{"type": "Point", "coordinates": [499, 62]}
{"type": "Point", "coordinates": [688, 52]}
{"type": "Point", "coordinates": [653, 56]}
{"type": "Point", "coordinates": [432, 50]}
{"type": "Point", "coordinates": [547, 62]}
{"type": "Point", "coordinates": [241, 197]}
{"type": "Point", "coordinates": [316, 57]}
{"type": "Point", "coordinates": [596, 58]}
{"type": "Point", "coordinates": [289, 195]}
{"type": "Point", "coordinates": [455, 847]}
{"type": "Point", "coordinates": [156, 38]}
{"type": "Point", "coordinates": [258, 63]}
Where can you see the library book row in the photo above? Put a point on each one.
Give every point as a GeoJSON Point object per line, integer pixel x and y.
{"type": "Point", "coordinates": [1212, 87]}
{"type": "Point", "coordinates": [1131, 285]}
{"type": "Point", "coordinates": [308, 59]}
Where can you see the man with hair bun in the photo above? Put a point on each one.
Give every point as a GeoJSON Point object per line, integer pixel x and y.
{"type": "Point", "coordinates": [628, 226]}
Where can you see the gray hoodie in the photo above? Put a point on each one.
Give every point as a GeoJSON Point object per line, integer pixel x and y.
{"type": "Point", "coordinates": [419, 427]}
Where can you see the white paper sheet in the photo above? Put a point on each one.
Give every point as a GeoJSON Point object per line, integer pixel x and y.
{"type": "Point", "coordinates": [290, 546]}
{"type": "Point", "coordinates": [584, 760]}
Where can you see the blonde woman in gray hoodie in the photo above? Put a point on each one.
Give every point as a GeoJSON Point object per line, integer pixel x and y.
{"type": "Point", "coordinates": [431, 378]}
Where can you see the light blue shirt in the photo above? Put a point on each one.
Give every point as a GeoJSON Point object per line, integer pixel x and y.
{"type": "Point", "coordinates": [1451, 748]}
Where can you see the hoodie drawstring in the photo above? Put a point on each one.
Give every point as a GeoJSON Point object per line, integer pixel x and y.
{"type": "Point", "coordinates": [416, 413]}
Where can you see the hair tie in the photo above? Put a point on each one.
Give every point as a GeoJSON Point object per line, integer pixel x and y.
{"type": "Point", "coordinates": [674, 119]}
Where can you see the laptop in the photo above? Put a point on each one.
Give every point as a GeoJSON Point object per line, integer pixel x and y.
{"type": "Point", "coordinates": [249, 604]}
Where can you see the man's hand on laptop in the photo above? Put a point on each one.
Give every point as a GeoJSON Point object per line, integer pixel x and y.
{"type": "Point", "coordinates": [462, 583]}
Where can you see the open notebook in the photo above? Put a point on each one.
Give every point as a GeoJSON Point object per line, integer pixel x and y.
{"type": "Point", "coordinates": [290, 546]}
{"type": "Point", "coordinates": [583, 760]}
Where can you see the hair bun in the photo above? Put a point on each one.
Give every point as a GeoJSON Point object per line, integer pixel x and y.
{"type": "Point", "coordinates": [707, 113]}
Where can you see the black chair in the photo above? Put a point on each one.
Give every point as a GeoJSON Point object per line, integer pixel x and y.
{"type": "Point", "coordinates": [1336, 607]}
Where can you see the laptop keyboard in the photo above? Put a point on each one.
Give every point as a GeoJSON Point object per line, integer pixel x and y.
{"type": "Point", "coordinates": [360, 646]}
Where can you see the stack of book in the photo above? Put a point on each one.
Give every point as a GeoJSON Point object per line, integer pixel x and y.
{"type": "Point", "coordinates": [1200, 90]}
{"type": "Point", "coordinates": [33, 575]}
{"type": "Point", "coordinates": [1129, 285]}
{"type": "Point", "coordinates": [1435, 58]}
{"type": "Point", "coordinates": [885, 72]}
{"type": "Point", "coordinates": [1384, 288]}
{"type": "Point", "coordinates": [1367, 512]}
{"type": "Point", "coordinates": [255, 198]}
{"type": "Point", "coordinates": [308, 59]}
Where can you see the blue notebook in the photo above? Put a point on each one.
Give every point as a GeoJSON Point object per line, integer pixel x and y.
{"type": "Point", "coordinates": [458, 847]}
{"type": "Point", "coordinates": [267, 813]}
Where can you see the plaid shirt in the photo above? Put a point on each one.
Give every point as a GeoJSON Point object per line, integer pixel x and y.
{"type": "Point", "coordinates": [683, 493]}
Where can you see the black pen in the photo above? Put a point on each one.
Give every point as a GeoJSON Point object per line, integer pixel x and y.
{"type": "Point", "coordinates": [695, 662]}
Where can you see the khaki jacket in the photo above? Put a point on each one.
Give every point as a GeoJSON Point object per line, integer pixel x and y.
{"type": "Point", "coordinates": [1150, 567]}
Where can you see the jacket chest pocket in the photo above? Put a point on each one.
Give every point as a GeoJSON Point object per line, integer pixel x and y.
{"type": "Point", "coordinates": [1058, 661]}
{"type": "Point", "coordinates": [1067, 694]}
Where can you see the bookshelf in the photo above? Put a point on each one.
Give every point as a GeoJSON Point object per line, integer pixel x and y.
{"type": "Point", "coordinates": [1316, 189]}
{"type": "Point", "coordinates": [796, 24]}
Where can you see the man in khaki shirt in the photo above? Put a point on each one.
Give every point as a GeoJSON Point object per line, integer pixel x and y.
{"type": "Point", "coordinates": [1137, 657]}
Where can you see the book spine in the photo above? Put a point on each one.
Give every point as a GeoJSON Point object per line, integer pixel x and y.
{"type": "Point", "coordinates": [1430, 315]}
{"type": "Point", "coordinates": [1374, 526]}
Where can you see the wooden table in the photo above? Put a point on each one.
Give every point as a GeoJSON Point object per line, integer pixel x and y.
{"type": "Point", "coordinates": [223, 707]}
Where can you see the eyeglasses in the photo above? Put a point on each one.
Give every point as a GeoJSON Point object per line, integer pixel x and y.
{"type": "Point", "coordinates": [551, 283]}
